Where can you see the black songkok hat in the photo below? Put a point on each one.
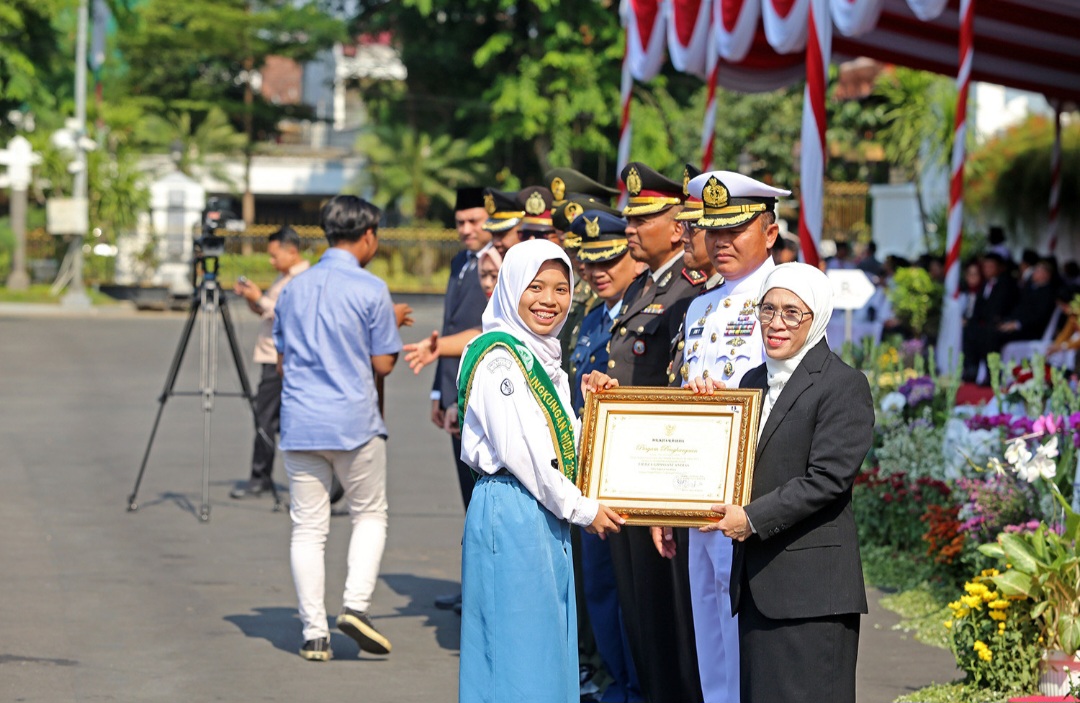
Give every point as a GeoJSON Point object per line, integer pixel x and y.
{"type": "Point", "coordinates": [468, 198]}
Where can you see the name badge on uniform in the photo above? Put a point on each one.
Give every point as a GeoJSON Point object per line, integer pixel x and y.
{"type": "Point", "coordinates": [695, 331]}
{"type": "Point", "coordinates": [639, 347]}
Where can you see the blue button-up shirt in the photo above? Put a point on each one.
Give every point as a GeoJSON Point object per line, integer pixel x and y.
{"type": "Point", "coordinates": [591, 353]}
{"type": "Point", "coordinates": [328, 323]}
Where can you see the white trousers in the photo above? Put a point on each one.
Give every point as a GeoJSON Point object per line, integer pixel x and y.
{"type": "Point", "coordinates": [362, 472]}
{"type": "Point", "coordinates": [716, 630]}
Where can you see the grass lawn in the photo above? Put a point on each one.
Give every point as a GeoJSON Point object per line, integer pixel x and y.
{"type": "Point", "coordinates": [40, 293]}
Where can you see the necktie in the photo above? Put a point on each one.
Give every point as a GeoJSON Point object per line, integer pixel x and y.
{"type": "Point", "coordinates": [470, 264]}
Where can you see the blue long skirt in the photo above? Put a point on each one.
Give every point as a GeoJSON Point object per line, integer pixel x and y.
{"type": "Point", "coordinates": [518, 615]}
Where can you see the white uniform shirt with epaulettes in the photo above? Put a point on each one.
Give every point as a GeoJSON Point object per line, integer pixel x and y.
{"type": "Point", "coordinates": [722, 339]}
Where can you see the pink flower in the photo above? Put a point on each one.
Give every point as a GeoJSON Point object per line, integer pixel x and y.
{"type": "Point", "coordinates": [1047, 424]}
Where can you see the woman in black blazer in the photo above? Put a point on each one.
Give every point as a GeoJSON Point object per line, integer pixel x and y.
{"type": "Point", "coordinates": [796, 577]}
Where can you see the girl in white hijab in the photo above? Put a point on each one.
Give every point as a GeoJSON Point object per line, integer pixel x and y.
{"type": "Point", "coordinates": [796, 576]}
{"type": "Point", "coordinates": [519, 624]}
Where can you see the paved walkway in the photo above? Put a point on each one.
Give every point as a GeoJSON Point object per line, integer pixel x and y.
{"type": "Point", "coordinates": [101, 605]}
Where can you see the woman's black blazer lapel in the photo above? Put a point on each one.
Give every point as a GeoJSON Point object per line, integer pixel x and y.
{"type": "Point", "coordinates": [800, 380]}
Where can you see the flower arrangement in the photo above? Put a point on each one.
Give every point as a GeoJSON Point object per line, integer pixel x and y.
{"type": "Point", "coordinates": [889, 508]}
{"type": "Point", "coordinates": [994, 639]}
{"type": "Point", "coordinates": [1045, 563]}
{"type": "Point", "coordinates": [993, 503]}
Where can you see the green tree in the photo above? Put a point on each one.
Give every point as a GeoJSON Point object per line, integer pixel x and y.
{"type": "Point", "coordinates": [410, 170]}
{"type": "Point", "coordinates": [195, 55]}
{"type": "Point", "coordinates": [1009, 175]}
{"type": "Point", "coordinates": [920, 116]}
{"type": "Point", "coordinates": [195, 147]}
{"type": "Point", "coordinates": [29, 53]}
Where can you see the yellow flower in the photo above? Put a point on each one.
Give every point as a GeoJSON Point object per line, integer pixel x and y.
{"type": "Point", "coordinates": [948, 624]}
{"type": "Point", "coordinates": [997, 615]}
{"type": "Point", "coordinates": [1001, 627]}
{"type": "Point", "coordinates": [990, 572]}
{"type": "Point", "coordinates": [972, 602]}
{"type": "Point", "coordinates": [962, 613]}
{"type": "Point", "coordinates": [990, 596]}
{"type": "Point", "coordinates": [999, 604]}
{"type": "Point", "coordinates": [955, 605]}
{"type": "Point", "coordinates": [986, 655]}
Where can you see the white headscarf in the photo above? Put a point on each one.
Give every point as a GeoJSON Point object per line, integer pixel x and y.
{"type": "Point", "coordinates": [813, 288]}
{"type": "Point", "coordinates": [519, 267]}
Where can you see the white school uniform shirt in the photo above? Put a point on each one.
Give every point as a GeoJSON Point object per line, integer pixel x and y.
{"type": "Point", "coordinates": [722, 333]}
{"type": "Point", "coordinates": [504, 427]}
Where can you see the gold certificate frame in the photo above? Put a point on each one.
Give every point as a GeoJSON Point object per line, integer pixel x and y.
{"type": "Point", "coordinates": [664, 456]}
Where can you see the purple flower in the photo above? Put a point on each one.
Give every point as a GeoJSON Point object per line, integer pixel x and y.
{"type": "Point", "coordinates": [918, 390]}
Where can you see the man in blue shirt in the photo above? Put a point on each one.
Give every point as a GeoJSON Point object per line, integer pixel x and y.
{"type": "Point", "coordinates": [336, 332]}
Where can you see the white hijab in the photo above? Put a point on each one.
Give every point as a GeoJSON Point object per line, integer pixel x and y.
{"type": "Point", "coordinates": [519, 268]}
{"type": "Point", "coordinates": [813, 288]}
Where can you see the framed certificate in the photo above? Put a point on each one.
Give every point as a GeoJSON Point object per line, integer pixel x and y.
{"type": "Point", "coordinates": [664, 456]}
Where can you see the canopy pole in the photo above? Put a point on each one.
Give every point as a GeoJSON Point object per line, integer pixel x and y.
{"type": "Point", "coordinates": [708, 129]}
{"type": "Point", "coordinates": [949, 337]}
{"type": "Point", "coordinates": [1055, 182]}
{"type": "Point", "coordinates": [625, 91]}
{"type": "Point", "coordinates": [956, 190]}
{"type": "Point", "coordinates": [812, 156]}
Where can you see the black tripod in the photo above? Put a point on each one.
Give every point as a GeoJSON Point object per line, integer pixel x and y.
{"type": "Point", "coordinates": [207, 300]}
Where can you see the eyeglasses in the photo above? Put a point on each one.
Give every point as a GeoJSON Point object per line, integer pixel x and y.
{"type": "Point", "coordinates": [791, 317]}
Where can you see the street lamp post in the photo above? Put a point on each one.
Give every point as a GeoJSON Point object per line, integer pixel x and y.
{"type": "Point", "coordinates": [76, 295]}
{"type": "Point", "coordinates": [19, 157]}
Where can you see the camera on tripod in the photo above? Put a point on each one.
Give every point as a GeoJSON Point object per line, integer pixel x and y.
{"type": "Point", "coordinates": [217, 215]}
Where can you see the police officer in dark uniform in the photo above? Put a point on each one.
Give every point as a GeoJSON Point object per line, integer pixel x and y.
{"type": "Point", "coordinates": [573, 192]}
{"type": "Point", "coordinates": [610, 270]}
{"type": "Point", "coordinates": [654, 592]}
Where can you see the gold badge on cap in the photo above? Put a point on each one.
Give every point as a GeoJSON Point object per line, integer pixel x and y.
{"type": "Point", "coordinates": [572, 211]}
{"type": "Point", "coordinates": [489, 203]}
{"type": "Point", "coordinates": [633, 181]}
{"type": "Point", "coordinates": [592, 227]}
{"type": "Point", "coordinates": [686, 182]}
{"type": "Point", "coordinates": [558, 188]}
{"type": "Point", "coordinates": [714, 194]}
{"type": "Point", "coordinates": [534, 204]}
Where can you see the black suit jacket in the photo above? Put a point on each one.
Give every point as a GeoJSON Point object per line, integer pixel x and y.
{"type": "Point", "coordinates": [463, 309]}
{"type": "Point", "coordinates": [804, 561]}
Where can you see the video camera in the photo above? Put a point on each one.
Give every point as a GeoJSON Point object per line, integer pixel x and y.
{"type": "Point", "coordinates": [218, 214]}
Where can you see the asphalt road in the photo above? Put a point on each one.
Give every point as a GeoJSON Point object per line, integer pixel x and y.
{"type": "Point", "coordinates": [99, 604]}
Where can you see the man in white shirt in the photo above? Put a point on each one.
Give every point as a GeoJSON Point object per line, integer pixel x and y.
{"type": "Point", "coordinates": [284, 251]}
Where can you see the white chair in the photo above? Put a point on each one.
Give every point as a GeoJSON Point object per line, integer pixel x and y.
{"type": "Point", "coordinates": [1015, 352]}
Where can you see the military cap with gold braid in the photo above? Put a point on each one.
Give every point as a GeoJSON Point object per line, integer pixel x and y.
{"type": "Point", "coordinates": [691, 211]}
{"type": "Point", "coordinates": [731, 199]}
{"type": "Point", "coordinates": [650, 192]}
{"type": "Point", "coordinates": [536, 201]}
{"type": "Point", "coordinates": [562, 216]}
{"type": "Point", "coordinates": [504, 211]}
{"type": "Point", "coordinates": [565, 181]}
{"type": "Point", "coordinates": [603, 236]}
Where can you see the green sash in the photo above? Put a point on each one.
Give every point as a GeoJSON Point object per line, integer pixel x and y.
{"type": "Point", "coordinates": [543, 390]}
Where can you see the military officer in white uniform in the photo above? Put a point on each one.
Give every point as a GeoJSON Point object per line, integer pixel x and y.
{"type": "Point", "coordinates": [738, 216]}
